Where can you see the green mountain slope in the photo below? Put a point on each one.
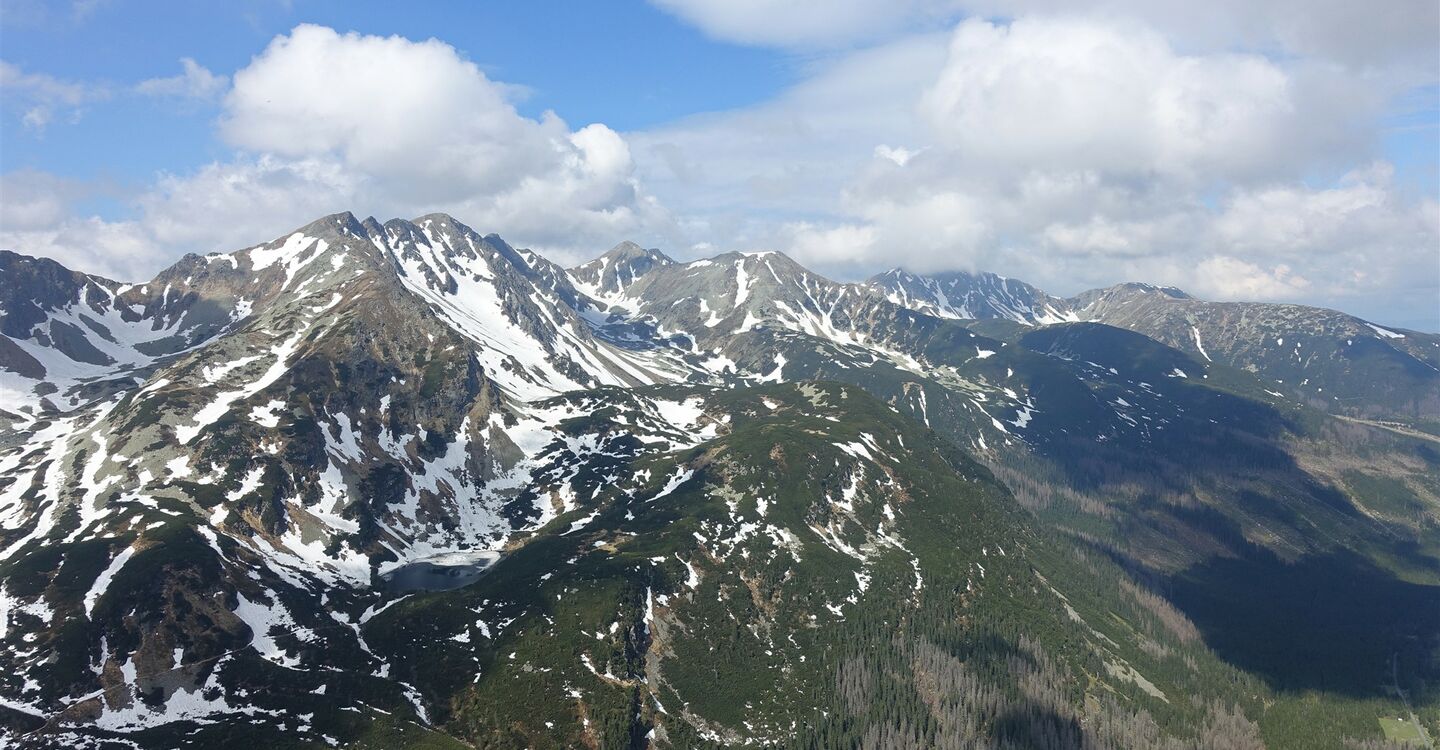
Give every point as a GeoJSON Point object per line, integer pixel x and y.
{"type": "Point", "coordinates": [403, 485]}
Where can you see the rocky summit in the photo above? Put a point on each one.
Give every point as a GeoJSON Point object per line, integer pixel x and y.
{"type": "Point", "coordinates": [402, 484]}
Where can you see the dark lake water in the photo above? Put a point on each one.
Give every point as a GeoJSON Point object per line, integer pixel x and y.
{"type": "Point", "coordinates": [441, 573]}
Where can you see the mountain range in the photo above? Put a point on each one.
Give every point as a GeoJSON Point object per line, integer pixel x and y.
{"type": "Point", "coordinates": [405, 485]}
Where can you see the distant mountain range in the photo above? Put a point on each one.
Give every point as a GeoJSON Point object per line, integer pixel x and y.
{"type": "Point", "coordinates": [404, 485]}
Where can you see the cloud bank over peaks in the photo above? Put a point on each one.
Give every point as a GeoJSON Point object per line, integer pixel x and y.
{"type": "Point", "coordinates": [1073, 151]}
{"type": "Point", "coordinates": [323, 121]}
{"type": "Point", "coordinates": [1233, 150]}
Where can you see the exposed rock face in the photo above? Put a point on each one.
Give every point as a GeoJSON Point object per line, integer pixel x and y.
{"type": "Point", "coordinates": [968, 296]}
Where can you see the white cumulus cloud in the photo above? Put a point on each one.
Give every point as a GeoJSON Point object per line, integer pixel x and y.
{"type": "Point", "coordinates": [195, 81]}
{"type": "Point", "coordinates": [1072, 151]}
{"type": "Point", "coordinates": [324, 121]}
{"type": "Point", "coordinates": [39, 98]}
{"type": "Point", "coordinates": [1078, 93]}
{"type": "Point", "coordinates": [1230, 148]}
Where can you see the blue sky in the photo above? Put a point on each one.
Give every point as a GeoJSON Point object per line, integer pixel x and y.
{"type": "Point", "coordinates": [626, 64]}
{"type": "Point", "coordinates": [1280, 150]}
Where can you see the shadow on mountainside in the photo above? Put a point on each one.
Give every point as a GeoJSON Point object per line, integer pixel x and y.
{"type": "Point", "coordinates": [1327, 622]}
